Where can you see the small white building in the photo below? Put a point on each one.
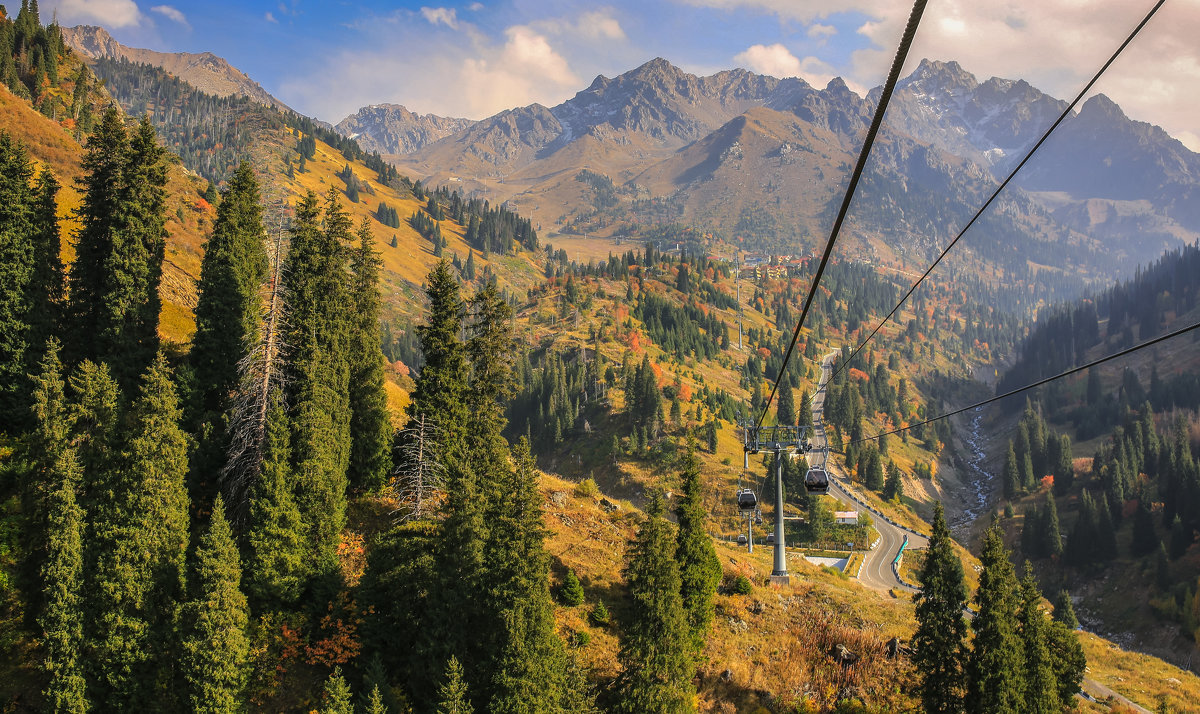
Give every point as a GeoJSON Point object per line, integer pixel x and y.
{"type": "Point", "coordinates": [846, 518]}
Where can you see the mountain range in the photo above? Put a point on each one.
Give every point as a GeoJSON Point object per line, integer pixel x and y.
{"type": "Point", "coordinates": [765, 159]}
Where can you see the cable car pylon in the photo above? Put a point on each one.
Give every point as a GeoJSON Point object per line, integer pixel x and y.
{"type": "Point", "coordinates": [780, 440]}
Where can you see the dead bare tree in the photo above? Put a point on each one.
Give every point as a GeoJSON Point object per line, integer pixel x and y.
{"type": "Point", "coordinates": [261, 383]}
{"type": "Point", "coordinates": [418, 480]}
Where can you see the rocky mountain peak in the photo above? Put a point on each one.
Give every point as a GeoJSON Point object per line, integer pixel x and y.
{"type": "Point", "coordinates": [937, 75]}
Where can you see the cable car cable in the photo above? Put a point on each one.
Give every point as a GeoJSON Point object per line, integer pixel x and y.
{"type": "Point", "coordinates": [910, 31]}
{"type": "Point", "coordinates": [1039, 383]}
{"type": "Point", "coordinates": [1004, 183]}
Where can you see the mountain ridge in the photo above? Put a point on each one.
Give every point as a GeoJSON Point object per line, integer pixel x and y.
{"type": "Point", "coordinates": [204, 70]}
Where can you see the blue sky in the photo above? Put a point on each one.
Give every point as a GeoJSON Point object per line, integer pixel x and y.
{"type": "Point", "coordinates": [475, 58]}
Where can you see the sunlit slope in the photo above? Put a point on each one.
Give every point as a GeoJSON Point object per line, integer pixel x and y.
{"type": "Point", "coordinates": [189, 217]}
{"type": "Point", "coordinates": [407, 263]}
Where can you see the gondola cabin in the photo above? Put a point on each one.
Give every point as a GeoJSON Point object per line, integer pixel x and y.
{"type": "Point", "coordinates": [746, 500]}
{"type": "Point", "coordinates": [770, 539]}
{"type": "Point", "coordinates": [742, 540]}
{"type": "Point", "coordinates": [816, 481]}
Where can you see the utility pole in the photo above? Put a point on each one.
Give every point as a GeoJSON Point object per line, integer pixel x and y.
{"type": "Point", "coordinates": [780, 440]}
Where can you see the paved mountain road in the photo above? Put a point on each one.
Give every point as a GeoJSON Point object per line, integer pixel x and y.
{"type": "Point", "coordinates": [877, 572]}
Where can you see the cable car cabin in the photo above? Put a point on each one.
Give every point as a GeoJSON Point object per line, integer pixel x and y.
{"type": "Point", "coordinates": [758, 520]}
{"type": "Point", "coordinates": [746, 500]}
{"type": "Point", "coordinates": [742, 540]}
{"type": "Point", "coordinates": [770, 539]}
{"type": "Point", "coordinates": [816, 481]}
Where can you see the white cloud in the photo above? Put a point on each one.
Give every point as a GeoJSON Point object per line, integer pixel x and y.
{"type": "Point", "coordinates": [475, 6]}
{"type": "Point", "coordinates": [775, 60]}
{"type": "Point", "coordinates": [526, 65]}
{"type": "Point", "coordinates": [600, 25]}
{"type": "Point", "coordinates": [818, 31]}
{"type": "Point", "coordinates": [1054, 44]}
{"type": "Point", "coordinates": [270, 17]}
{"type": "Point", "coordinates": [171, 13]}
{"type": "Point", "coordinates": [444, 15]}
{"type": "Point", "coordinates": [113, 14]}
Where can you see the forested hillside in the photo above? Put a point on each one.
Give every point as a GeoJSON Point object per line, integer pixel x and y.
{"type": "Point", "coordinates": [1105, 463]}
{"type": "Point", "coordinates": [284, 430]}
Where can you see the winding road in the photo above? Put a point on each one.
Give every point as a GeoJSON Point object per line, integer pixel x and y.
{"type": "Point", "coordinates": [877, 572]}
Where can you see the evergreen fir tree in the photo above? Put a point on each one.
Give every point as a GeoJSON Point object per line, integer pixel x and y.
{"type": "Point", "coordinates": [337, 697]}
{"type": "Point", "coordinates": [228, 307]}
{"type": "Point", "coordinates": [114, 301]}
{"type": "Point", "coordinates": [1012, 475]}
{"type": "Point", "coordinates": [215, 645]}
{"type": "Point", "coordinates": [441, 389]}
{"type": "Point", "coordinates": [806, 418]}
{"type": "Point", "coordinates": [1064, 610]}
{"type": "Point", "coordinates": [1052, 544]}
{"type": "Point", "coordinates": [658, 664]}
{"type": "Point", "coordinates": [317, 335]}
{"type": "Point", "coordinates": [893, 487]}
{"type": "Point", "coordinates": [528, 674]}
{"type": "Point", "coordinates": [452, 696]}
{"type": "Point", "coordinates": [571, 592]}
{"type": "Point", "coordinates": [996, 664]}
{"type": "Point", "coordinates": [1041, 688]}
{"type": "Point", "coordinates": [228, 316]}
{"type": "Point", "coordinates": [1064, 470]}
{"type": "Point", "coordinates": [1067, 660]}
{"type": "Point", "coordinates": [16, 271]}
{"type": "Point", "coordinates": [873, 479]}
{"type": "Point", "coordinates": [786, 410]}
{"type": "Point", "coordinates": [275, 544]}
{"type": "Point", "coordinates": [57, 470]}
{"type": "Point", "coordinates": [47, 284]}
{"type": "Point", "coordinates": [939, 645]}
{"type": "Point", "coordinates": [370, 422]}
{"type": "Point", "coordinates": [699, 567]}
{"type": "Point", "coordinates": [141, 544]}
{"type": "Point", "coordinates": [375, 702]}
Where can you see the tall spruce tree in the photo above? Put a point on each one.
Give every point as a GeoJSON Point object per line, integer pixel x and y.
{"type": "Point", "coordinates": [786, 410]}
{"type": "Point", "coordinates": [441, 388]}
{"type": "Point", "coordinates": [939, 645]}
{"type": "Point", "coordinates": [806, 415]}
{"type": "Point", "coordinates": [317, 336]}
{"type": "Point", "coordinates": [274, 542]}
{"type": "Point", "coordinates": [16, 270]}
{"type": "Point", "coordinates": [57, 470]}
{"type": "Point", "coordinates": [337, 698]}
{"type": "Point", "coordinates": [1064, 610]}
{"type": "Point", "coordinates": [47, 284]}
{"type": "Point", "coordinates": [1041, 687]}
{"type": "Point", "coordinates": [370, 422]}
{"type": "Point", "coordinates": [530, 668]}
{"type": "Point", "coordinates": [995, 668]}
{"type": "Point", "coordinates": [228, 304]}
{"type": "Point", "coordinates": [215, 646]}
{"type": "Point", "coordinates": [654, 648]}
{"type": "Point", "coordinates": [1052, 534]}
{"type": "Point", "coordinates": [452, 696]}
{"type": "Point", "coordinates": [699, 567]}
{"type": "Point", "coordinates": [141, 542]}
{"type": "Point", "coordinates": [114, 301]}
